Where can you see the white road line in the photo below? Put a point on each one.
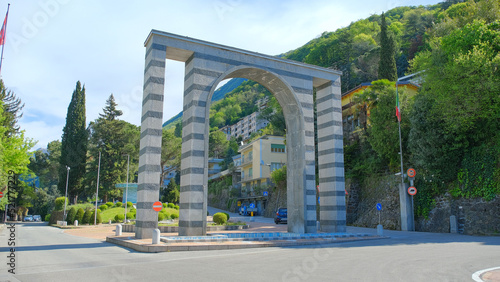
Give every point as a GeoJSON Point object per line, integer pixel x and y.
{"type": "Point", "coordinates": [476, 276]}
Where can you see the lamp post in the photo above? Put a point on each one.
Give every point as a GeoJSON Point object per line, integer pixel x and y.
{"type": "Point", "coordinates": [97, 190]}
{"type": "Point", "coordinates": [126, 187]}
{"type": "Point", "coordinates": [66, 194]}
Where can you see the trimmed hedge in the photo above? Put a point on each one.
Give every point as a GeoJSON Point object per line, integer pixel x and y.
{"type": "Point", "coordinates": [130, 215]}
{"type": "Point", "coordinates": [60, 203]}
{"type": "Point", "coordinates": [161, 216]}
{"type": "Point", "coordinates": [174, 216]}
{"type": "Point", "coordinates": [98, 218]}
{"type": "Point", "coordinates": [47, 217]}
{"type": "Point", "coordinates": [118, 204]}
{"type": "Point", "coordinates": [226, 215]}
{"type": "Point", "coordinates": [170, 205]}
{"type": "Point", "coordinates": [103, 207]}
{"type": "Point", "coordinates": [129, 204]}
{"type": "Point", "coordinates": [119, 217]}
{"type": "Point", "coordinates": [86, 217]}
{"type": "Point", "coordinates": [79, 215]}
{"type": "Point", "coordinates": [109, 204]}
{"type": "Point", "coordinates": [70, 217]}
{"type": "Point", "coordinates": [220, 218]}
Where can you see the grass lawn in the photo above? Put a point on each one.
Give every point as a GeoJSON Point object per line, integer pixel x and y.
{"type": "Point", "coordinates": [111, 212]}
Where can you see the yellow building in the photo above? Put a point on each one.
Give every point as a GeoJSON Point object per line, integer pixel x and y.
{"type": "Point", "coordinates": [351, 123]}
{"type": "Point", "coordinates": [258, 159]}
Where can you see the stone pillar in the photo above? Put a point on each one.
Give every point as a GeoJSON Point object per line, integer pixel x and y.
{"type": "Point", "coordinates": [301, 179]}
{"type": "Point", "coordinates": [407, 222]}
{"type": "Point", "coordinates": [150, 144]}
{"type": "Point", "coordinates": [331, 158]}
{"type": "Point", "coordinates": [199, 78]}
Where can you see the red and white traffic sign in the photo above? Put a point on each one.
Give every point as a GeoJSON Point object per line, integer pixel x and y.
{"type": "Point", "coordinates": [411, 172]}
{"type": "Point", "coordinates": [412, 191]}
{"type": "Point", "coordinates": [157, 206]}
{"type": "Point", "coordinates": [1, 195]}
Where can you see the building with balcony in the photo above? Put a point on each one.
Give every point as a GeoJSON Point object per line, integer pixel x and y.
{"type": "Point", "coordinates": [245, 126]}
{"type": "Point", "coordinates": [258, 159]}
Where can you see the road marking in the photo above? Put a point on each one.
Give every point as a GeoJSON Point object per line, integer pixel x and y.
{"type": "Point", "coordinates": [477, 275]}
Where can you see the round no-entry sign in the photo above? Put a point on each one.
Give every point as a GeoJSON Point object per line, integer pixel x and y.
{"type": "Point", "coordinates": [1, 195]}
{"type": "Point", "coordinates": [412, 191]}
{"type": "Point", "coordinates": [411, 172]}
{"type": "Point", "coordinates": [157, 206]}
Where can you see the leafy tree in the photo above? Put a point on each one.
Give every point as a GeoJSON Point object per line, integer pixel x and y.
{"type": "Point", "coordinates": [274, 114]}
{"type": "Point", "coordinates": [387, 65]}
{"type": "Point", "coordinates": [74, 145]}
{"type": "Point", "coordinates": [113, 138]}
{"type": "Point", "coordinates": [218, 144]}
{"type": "Point", "coordinates": [170, 153]}
{"type": "Point", "coordinates": [384, 131]}
{"type": "Point", "coordinates": [12, 110]}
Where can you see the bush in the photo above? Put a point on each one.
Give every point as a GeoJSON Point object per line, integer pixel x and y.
{"type": "Point", "coordinates": [220, 218]}
{"type": "Point", "coordinates": [174, 216]}
{"type": "Point", "coordinates": [98, 219]}
{"type": "Point", "coordinates": [60, 203]}
{"type": "Point", "coordinates": [165, 205]}
{"type": "Point", "coordinates": [86, 217]}
{"type": "Point", "coordinates": [109, 204]}
{"type": "Point", "coordinates": [129, 204]}
{"type": "Point", "coordinates": [47, 217]}
{"type": "Point", "coordinates": [171, 205]}
{"type": "Point", "coordinates": [103, 207]}
{"type": "Point", "coordinates": [176, 207]}
{"type": "Point", "coordinates": [119, 217]}
{"type": "Point", "coordinates": [130, 215]}
{"type": "Point", "coordinates": [226, 215]}
{"type": "Point", "coordinates": [118, 204]}
{"type": "Point", "coordinates": [161, 216]}
{"type": "Point", "coordinates": [70, 217]}
{"type": "Point", "coordinates": [79, 215]}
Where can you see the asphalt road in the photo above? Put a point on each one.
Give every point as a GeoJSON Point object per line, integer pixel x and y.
{"type": "Point", "coordinates": [45, 253]}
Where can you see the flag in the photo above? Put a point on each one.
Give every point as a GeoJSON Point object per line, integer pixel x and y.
{"type": "Point", "coordinates": [398, 110]}
{"type": "Point", "coordinates": [4, 28]}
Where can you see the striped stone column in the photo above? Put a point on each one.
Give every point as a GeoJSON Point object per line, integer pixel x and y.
{"type": "Point", "coordinates": [150, 145]}
{"type": "Point", "coordinates": [199, 79]}
{"type": "Point", "coordinates": [331, 158]}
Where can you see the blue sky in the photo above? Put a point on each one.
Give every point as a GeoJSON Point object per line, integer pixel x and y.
{"type": "Point", "coordinates": [51, 44]}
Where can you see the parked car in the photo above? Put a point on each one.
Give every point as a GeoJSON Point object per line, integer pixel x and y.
{"type": "Point", "coordinates": [37, 217]}
{"type": "Point", "coordinates": [281, 216]}
{"type": "Point", "coordinates": [28, 218]}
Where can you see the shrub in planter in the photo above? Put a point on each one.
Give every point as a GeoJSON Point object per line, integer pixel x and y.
{"type": "Point", "coordinates": [79, 215]}
{"type": "Point", "coordinates": [119, 217]}
{"type": "Point", "coordinates": [103, 207]}
{"type": "Point", "coordinates": [86, 217]}
{"type": "Point", "coordinates": [70, 217]}
{"type": "Point", "coordinates": [109, 204]}
{"type": "Point", "coordinates": [220, 218]}
{"type": "Point", "coordinates": [118, 204]}
{"type": "Point", "coordinates": [60, 203]}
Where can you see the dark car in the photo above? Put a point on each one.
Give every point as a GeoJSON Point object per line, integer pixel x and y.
{"type": "Point", "coordinates": [281, 216]}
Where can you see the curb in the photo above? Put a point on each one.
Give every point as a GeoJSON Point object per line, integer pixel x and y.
{"type": "Point", "coordinates": [136, 245]}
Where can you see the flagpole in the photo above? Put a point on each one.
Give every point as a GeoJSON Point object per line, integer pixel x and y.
{"type": "Point", "coordinates": [400, 143]}
{"type": "Point", "coordinates": [4, 34]}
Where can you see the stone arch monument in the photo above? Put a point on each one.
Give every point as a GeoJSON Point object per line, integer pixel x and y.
{"type": "Point", "coordinates": [292, 83]}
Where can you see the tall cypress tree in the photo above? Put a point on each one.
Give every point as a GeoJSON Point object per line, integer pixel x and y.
{"type": "Point", "coordinates": [387, 65]}
{"type": "Point", "coordinates": [74, 145]}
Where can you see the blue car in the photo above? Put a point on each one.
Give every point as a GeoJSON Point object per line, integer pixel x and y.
{"type": "Point", "coordinates": [281, 216]}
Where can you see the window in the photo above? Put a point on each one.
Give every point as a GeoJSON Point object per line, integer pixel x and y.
{"type": "Point", "coordinates": [250, 156]}
{"type": "Point", "coordinates": [278, 148]}
{"type": "Point", "coordinates": [250, 172]}
{"type": "Point", "coordinates": [275, 166]}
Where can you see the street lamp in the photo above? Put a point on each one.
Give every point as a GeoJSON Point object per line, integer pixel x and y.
{"type": "Point", "coordinates": [66, 194]}
{"type": "Point", "coordinates": [97, 189]}
{"type": "Point", "coordinates": [126, 187]}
